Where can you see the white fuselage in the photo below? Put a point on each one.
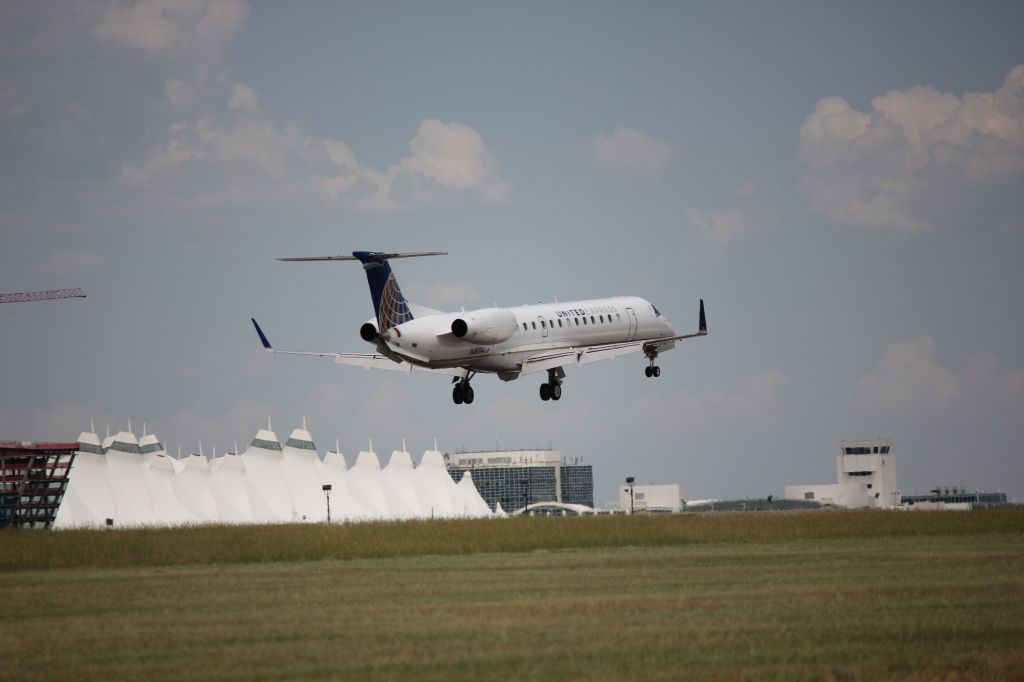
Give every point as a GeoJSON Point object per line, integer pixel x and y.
{"type": "Point", "coordinates": [429, 342]}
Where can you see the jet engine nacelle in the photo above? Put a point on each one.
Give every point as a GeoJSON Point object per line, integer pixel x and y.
{"type": "Point", "coordinates": [368, 332]}
{"type": "Point", "coordinates": [488, 325]}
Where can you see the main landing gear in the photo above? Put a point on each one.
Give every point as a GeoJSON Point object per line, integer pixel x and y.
{"type": "Point", "coordinates": [652, 370]}
{"type": "Point", "coordinates": [552, 390]}
{"type": "Point", "coordinates": [462, 392]}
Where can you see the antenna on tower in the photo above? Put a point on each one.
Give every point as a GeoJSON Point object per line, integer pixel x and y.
{"type": "Point", "coordinates": [435, 445]}
{"type": "Point", "coordinates": [337, 445]}
{"type": "Point", "coordinates": [92, 426]}
{"type": "Point", "coordinates": [371, 445]}
{"type": "Point", "coordinates": [269, 427]}
{"type": "Point", "coordinates": [403, 446]}
{"type": "Point", "coordinates": [304, 422]}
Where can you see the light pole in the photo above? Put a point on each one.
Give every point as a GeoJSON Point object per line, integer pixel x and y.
{"type": "Point", "coordinates": [525, 482]}
{"type": "Point", "coordinates": [629, 482]}
{"type": "Point", "coordinates": [327, 492]}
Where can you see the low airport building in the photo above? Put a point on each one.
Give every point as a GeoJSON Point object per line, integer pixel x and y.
{"type": "Point", "coordinates": [865, 477]}
{"type": "Point", "coordinates": [953, 498]}
{"type": "Point", "coordinates": [665, 497]}
{"type": "Point", "coordinates": [512, 479]}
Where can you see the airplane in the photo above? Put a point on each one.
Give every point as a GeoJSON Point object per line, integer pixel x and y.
{"type": "Point", "coordinates": [509, 342]}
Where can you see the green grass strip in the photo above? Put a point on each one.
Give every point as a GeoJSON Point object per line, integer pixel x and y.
{"type": "Point", "coordinates": [36, 549]}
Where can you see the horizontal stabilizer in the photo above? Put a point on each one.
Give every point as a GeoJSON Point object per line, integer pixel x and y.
{"type": "Point", "coordinates": [365, 256]}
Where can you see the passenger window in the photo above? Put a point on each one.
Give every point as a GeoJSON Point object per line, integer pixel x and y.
{"type": "Point", "coordinates": [584, 322]}
{"type": "Point", "coordinates": [618, 317]}
{"type": "Point", "coordinates": [559, 322]}
{"type": "Point", "coordinates": [525, 327]}
{"type": "Point", "coordinates": [577, 321]}
{"type": "Point", "coordinates": [592, 320]}
{"type": "Point", "coordinates": [544, 326]}
{"type": "Point", "coordinates": [602, 319]}
{"type": "Point", "coordinates": [534, 324]}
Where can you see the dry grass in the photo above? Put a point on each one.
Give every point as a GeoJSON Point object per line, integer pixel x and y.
{"type": "Point", "coordinates": [747, 596]}
{"type": "Point", "coordinates": [308, 542]}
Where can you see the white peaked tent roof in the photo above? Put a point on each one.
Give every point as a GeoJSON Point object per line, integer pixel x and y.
{"type": "Point", "coordinates": [400, 487]}
{"type": "Point", "coordinates": [228, 485]}
{"type": "Point", "coordinates": [337, 459]}
{"type": "Point", "coordinates": [123, 470]}
{"type": "Point", "coordinates": [344, 506]}
{"type": "Point", "coordinates": [469, 502]}
{"type": "Point", "coordinates": [435, 485]}
{"type": "Point", "coordinates": [87, 499]}
{"type": "Point", "coordinates": [364, 482]}
{"type": "Point", "coordinates": [269, 498]}
{"type": "Point", "coordinates": [194, 490]}
{"type": "Point", "coordinates": [158, 472]}
{"type": "Point", "coordinates": [303, 476]}
{"type": "Point", "coordinates": [266, 484]}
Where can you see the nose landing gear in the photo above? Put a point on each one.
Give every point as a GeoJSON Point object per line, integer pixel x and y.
{"type": "Point", "coordinates": [552, 390]}
{"type": "Point", "coordinates": [652, 370]}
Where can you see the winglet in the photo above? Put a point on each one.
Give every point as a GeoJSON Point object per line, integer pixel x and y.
{"type": "Point", "coordinates": [703, 328]}
{"type": "Point", "coordinates": [263, 337]}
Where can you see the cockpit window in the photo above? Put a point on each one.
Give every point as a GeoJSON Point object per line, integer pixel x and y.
{"type": "Point", "coordinates": [655, 310]}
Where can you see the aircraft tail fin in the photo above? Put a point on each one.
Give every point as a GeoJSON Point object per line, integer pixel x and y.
{"type": "Point", "coordinates": [389, 304]}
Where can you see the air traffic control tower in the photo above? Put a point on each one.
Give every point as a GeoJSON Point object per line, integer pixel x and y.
{"type": "Point", "coordinates": [865, 477]}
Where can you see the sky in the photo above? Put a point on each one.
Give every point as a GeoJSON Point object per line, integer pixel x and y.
{"type": "Point", "coordinates": [840, 182]}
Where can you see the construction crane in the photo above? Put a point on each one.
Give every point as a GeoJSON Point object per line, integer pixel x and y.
{"type": "Point", "coordinates": [48, 295]}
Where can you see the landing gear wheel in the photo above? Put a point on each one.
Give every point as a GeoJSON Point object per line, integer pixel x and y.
{"type": "Point", "coordinates": [657, 371]}
{"type": "Point", "coordinates": [545, 392]}
{"type": "Point", "coordinates": [467, 394]}
{"type": "Point", "coordinates": [457, 396]}
{"type": "Point", "coordinates": [556, 392]}
{"type": "Point", "coordinates": [648, 371]}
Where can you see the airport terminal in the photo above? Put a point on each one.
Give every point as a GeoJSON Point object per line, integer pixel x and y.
{"type": "Point", "coordinates": [125, 480]}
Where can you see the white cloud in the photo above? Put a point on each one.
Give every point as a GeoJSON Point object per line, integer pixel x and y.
{"type": "Point", "coordinates": [450, 156]}
{"type": "Point", "coordinates": [441, 295]}
{"type": "Point", "coordinates": [171, 26]}
{"type": "Point", "coordinates": [243, 98]}
{"type": "Point", "coordinates": [70, 261]}
{"type": "Point", "coordinates": [243, 156]}
{"type": "Point", "coordinates": [908, 381]}
{"type": "Point", "coordinates": [721, 228]}
{"type": "Point", "coordinates": [919, 159]}
{"type": "Point", "coordinates": [629, 150]}
{"type": "Point", "coordinates": [751, 397]}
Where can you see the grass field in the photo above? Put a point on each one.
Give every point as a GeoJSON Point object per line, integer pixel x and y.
{"type": "Point", "coordinates": [829, 595]}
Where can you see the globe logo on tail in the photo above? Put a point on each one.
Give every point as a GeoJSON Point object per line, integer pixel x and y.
{"type": "Point", "coordinates": [393, 308]}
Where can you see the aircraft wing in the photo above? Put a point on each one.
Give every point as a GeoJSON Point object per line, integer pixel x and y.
{"type": "Point", "coordinates": [367, 360]}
